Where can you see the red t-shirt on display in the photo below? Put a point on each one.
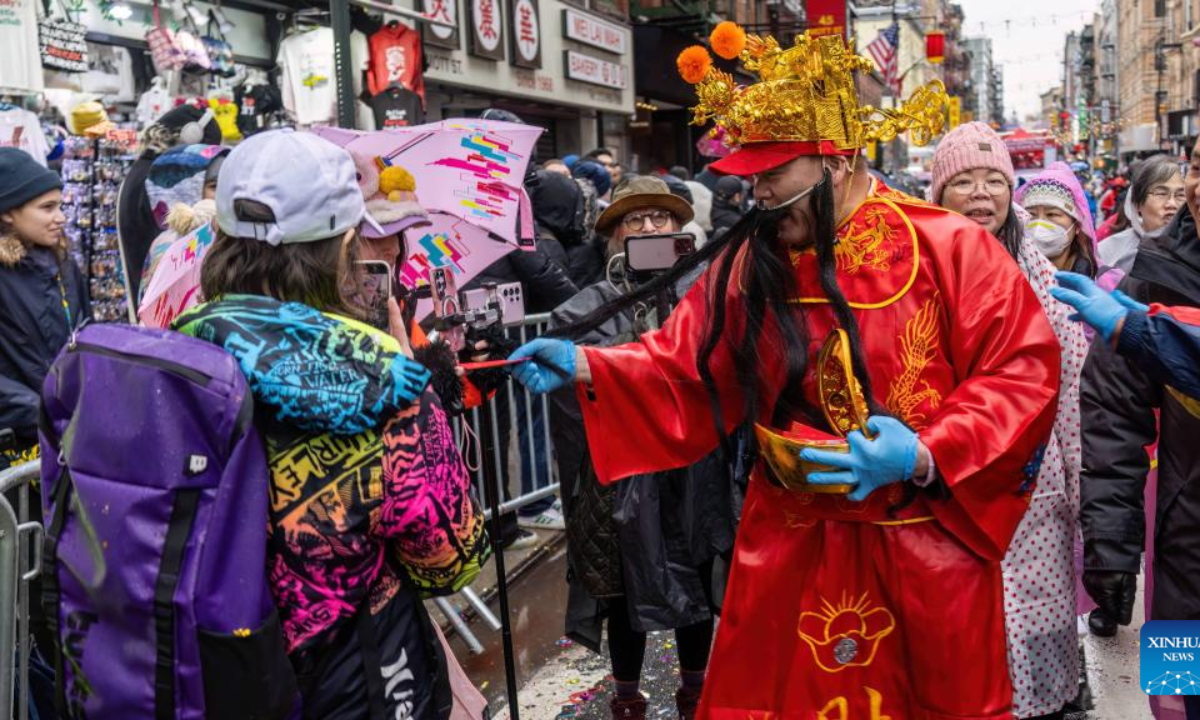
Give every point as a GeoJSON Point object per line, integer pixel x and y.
{"type": "Point", "coordinates": [396, 58]}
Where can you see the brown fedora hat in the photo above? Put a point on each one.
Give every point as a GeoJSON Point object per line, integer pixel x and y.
{"type": "Point", "coordinates": [642, 191]}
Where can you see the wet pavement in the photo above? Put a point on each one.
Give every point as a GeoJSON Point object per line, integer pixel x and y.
{"type": "Point", "coordinates": [558, 678]}
{"type": "Point", "coordinates": [537, 601]}
{"type": "Point", "coordinates": [561, 680]}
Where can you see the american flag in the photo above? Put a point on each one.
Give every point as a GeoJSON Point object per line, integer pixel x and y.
{"type": "Point", "coordinates": [883, 51]}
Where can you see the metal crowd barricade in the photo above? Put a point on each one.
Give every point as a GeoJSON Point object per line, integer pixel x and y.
{"type": "Point", "coordinates": [541, 484]}
{"type": "Point", "coordinates": [20, 562]}
{"type": "Point", "coordinates": [534, 326]}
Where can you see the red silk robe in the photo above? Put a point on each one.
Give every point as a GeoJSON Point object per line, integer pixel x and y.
{"type": "Point", "coordinates": [837, 610]}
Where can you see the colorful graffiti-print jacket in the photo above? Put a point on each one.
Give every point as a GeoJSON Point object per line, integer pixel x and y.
{"type": "Point", "coordinates": [368, 491]}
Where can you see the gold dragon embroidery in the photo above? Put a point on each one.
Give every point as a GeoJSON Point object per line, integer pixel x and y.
{"type": "Point", "coordinates": [867, 247]}
{"type": "Point", "coordinates": [918, 346]}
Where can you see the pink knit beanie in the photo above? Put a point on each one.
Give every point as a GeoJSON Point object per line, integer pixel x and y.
{"type": "Point", "coordinates": [967, 147]}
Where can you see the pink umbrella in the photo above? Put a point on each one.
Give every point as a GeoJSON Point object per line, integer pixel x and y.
{"type": "Point", "coordinates": [472, 169]}
{"type": "Point", "coordinates": [175, 284]}
{"type": "Point", "coordinates": [712, 143]}
{"type": "Point", "coordinates": [447, 242]}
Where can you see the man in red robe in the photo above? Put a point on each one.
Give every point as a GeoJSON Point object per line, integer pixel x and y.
{"type": "Point", "coordinates": [885, 602]}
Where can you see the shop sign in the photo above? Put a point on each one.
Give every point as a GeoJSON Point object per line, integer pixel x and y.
{"type": "Point", "coordinates": [125, 137]}
{"type": "Point", "coordinates": [526, 34]}
{"type": "Point", "coordinates": [591, 30]}
{"type": "Point", "coordinates": [487, 29]}
{"type": "Point", "coordinates": [826, 17]}
{"type": "Point", "coordinates": [588, 69]}
{"type": "Point", "coordinates": [529, 80]}
{"type": "Point", "coordinates": [438, 35]}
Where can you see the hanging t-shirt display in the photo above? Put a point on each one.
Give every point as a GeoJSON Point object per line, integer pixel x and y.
{"type": "Point", "coordinates": [306, 62]}
{"type": "Point", "coordinates": [255, 104]}
{"type": "Point", "coordinates": [396, 107]}
{"type": "Point", "coordinates": [154, 103]}
{"type": "Point", "coordinates": [396, 59]}
{"type": "Point", "coordinates": [20, 53]}
{"type": "Point", "coordinates": [21, 129]}
{"type": "Point", "coordinates": [110, 73]}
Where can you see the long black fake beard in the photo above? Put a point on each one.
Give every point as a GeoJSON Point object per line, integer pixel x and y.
{"type": "Point", "coordinates": [768, 282]}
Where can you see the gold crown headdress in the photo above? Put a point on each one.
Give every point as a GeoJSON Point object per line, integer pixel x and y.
{"type": "Point", "coordinates": [805, 93]}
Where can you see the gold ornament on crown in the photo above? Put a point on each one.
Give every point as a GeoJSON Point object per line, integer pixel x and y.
{"type": "Point", "coordinates": [805, 93]}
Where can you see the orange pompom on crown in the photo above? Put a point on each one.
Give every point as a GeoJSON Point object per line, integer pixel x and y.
{"type": "Point", "coordinates": [728, 39]}
{"type": "Point", "coordinates": [693, 63]}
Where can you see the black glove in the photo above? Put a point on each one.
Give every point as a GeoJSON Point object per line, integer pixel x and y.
{"type": "Point", "coordinates": [438, 358]}
{"type": "Point", "coordinates": [1114, 591]}
{"type": "Point", "coordinates": [499, 348]}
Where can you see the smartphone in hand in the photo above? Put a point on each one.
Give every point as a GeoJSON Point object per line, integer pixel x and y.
{"type": "Point", "coordinates": [375, 287]}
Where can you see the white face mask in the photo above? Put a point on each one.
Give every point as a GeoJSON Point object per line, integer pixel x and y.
{"type": "Point", "coordinates": [1050, 239]}
{"type": "Point", "coordinates": [792, 200]}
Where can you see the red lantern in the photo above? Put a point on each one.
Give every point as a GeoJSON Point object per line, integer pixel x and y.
{"type": "Point", "coordinates": [935, 47]}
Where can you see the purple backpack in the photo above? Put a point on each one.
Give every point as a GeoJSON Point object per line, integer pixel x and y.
{"type": "Point", "coordinates": [155, 487]}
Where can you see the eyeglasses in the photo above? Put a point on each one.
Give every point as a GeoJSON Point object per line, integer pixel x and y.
{"type": "Point", "coordinates": [1164, 194]}
{"type": "Point", "coordinates": [659, 218]}
{"type": "Point", "coordinates": [993, 187]}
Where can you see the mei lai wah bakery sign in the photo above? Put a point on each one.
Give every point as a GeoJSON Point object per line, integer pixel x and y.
{"type": "Point", "coordinates": [588, 69]}
{"type": "Point", "coordinates": [605, 70]}
{"type": "Point", "coordinates": [593, 31]}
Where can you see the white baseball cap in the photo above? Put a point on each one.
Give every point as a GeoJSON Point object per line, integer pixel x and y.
{"type": "Point", "coordinates": [309, 184]}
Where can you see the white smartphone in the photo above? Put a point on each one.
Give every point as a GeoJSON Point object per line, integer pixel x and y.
{"type": "Point", "coordinates": [656, 253]}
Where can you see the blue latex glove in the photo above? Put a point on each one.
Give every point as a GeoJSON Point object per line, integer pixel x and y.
{"type": "Point", "coordinates": [551, 364]}
{"type": "Point", "coordinates": [1100, 309]}
{"type": "Point", "coordinates": [870, 464]}
{"type": "Point", "coordinates": [1129, 302]}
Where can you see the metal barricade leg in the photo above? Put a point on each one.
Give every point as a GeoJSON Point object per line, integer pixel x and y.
{"type": "Point", "coordinates": [20, 562]}
{"type": "Point", "coordinates": [9, 580]}
{"type": "Point", "coordinates": [459, 625]}
{"type": "Point", "coordinates": [29, 537]}
{"type": "Point", "coordinates": [480, 607]}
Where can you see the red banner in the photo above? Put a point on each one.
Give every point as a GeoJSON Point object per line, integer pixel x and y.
{"type": "Point", "coordinates": [826, 17]}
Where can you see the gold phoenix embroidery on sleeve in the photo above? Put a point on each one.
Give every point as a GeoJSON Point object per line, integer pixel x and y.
{"type": "Point", "coordinates": [918, 346]}
{"type": "Point", "coordinates": [868, 247]}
